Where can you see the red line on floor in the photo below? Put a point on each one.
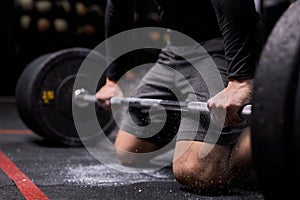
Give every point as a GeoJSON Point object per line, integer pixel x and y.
{"type": "Point", "coordinates": [15, 131]}
{"type": "Point", "coordinates": [29, 190]}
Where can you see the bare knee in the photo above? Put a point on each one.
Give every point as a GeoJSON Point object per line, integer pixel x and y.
{"type": "Point", "coordinates": [199, 176]}
{"type": "Point", "coordinates": [203, 174]}
{"type": "Point", "coordinates": [130, 149]}
{"type": "Point", "coordinates": [134, 157]}
{"type": "Point", "coordinates": [128, 153]}
{"type": "Point", "coordinates": [125, 157]}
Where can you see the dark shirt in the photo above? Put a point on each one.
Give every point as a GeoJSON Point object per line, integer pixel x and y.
{"type": "Point", "coordinates": [233, 20]}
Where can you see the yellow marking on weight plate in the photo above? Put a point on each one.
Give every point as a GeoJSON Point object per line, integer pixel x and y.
{"type": "Point", "coordinates": [48, 96]}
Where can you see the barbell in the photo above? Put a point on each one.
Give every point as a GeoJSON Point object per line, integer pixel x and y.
{"type": "Point", "coordinates": [82, 98]}
{"type": "Point", "coordinates": [45, 96]}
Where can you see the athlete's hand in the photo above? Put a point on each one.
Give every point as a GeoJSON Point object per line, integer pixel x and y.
{"type": "Point", "coordinates": [110, 89]}
{"type": "Point", "coordinates": [230, 101]}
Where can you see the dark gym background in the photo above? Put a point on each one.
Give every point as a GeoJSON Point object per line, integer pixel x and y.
{"type": "Point", "coordinates": [31, 28]}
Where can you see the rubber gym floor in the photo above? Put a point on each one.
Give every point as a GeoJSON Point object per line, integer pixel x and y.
{"type": "Point", "coordinates": [30, 168]}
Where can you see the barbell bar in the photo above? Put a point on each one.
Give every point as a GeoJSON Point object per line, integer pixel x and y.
{"type": "Point", "coordinates": [81, 98]}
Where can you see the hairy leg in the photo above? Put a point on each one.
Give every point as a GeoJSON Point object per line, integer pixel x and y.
{"type": "Point", "coordinates": [221, 167]}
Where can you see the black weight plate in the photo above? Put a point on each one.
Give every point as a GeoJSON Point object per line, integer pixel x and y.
{"type": "Point", "coordinates": [24, 84]}
{"type": "Point", "coordinates": [274, 99]}
{"type": "Point", "coordinates": [44, 97]}
{"type": "Point", "coordinates": [296, 139]}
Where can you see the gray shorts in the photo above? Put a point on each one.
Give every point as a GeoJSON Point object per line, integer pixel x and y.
{"type": "Point", "coordinates": [195, 75]}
